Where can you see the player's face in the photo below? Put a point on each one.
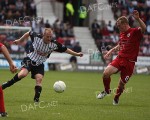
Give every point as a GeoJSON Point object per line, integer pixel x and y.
{"type": "Point", "coordinates": [121, 26]}
{"type": "Point", "coordinates": [47, 37]}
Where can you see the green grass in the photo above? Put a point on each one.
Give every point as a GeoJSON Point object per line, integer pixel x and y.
{"type": "Point", "coordinates": [79, 101]}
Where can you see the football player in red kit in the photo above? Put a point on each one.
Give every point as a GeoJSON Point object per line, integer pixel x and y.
{"type": "Point", "coordinates": [128, 48]}
{"type": "Point", "coordinates": [13, 69]}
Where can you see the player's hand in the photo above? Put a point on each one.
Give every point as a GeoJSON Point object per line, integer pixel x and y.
{"type": "Point", "coordinates": [13, 68]}
{"type": "Point", "coordinates": [80, 54]}
{"type": "Point", "coordinates": [136, 14]}
{"type": "Point", "coordinates": [16, 42]}
{"type": "Point", "coordinates": [108, 54]}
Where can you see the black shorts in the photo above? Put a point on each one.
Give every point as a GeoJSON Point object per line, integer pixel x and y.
{"type": "Point", "coordinates": [31, 66]}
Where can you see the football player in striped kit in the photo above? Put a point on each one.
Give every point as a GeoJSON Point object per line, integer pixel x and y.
{"type": "Point", "coordinates": [42, 47]}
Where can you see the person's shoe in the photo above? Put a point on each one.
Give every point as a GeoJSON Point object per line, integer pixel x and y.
{"type": "Point", "coordinates": [101, 95]}
{"type": "Point", "coordinates": [3, 114]}
{"type": "Point", "coordinates": [36, 99]}
{"type": "Point", "coordinates": [115, 101]}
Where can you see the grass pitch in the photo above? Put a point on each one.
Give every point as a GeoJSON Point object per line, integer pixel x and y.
{"type": "Point", "coordinates": [79, 101]}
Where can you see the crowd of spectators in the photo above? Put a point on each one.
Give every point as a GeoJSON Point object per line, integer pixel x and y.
{"type": "Point", "coordinates": [16, 9]}
{"type": "Point", "coordinates": [106, 34]}
{"type": "Point", "coordinates": [23, 13]}
{"type": "Point", "coordinates": [14, 13]}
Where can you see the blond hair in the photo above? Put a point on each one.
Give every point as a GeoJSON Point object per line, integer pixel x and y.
{"type": "Point", "coordinates": [123, 19]}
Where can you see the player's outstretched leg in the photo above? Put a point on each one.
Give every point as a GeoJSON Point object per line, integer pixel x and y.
{"type": "Point", "coordinates": [119, 91]}
{"type": "Point", "coordinates": [106, 81]}
{"type": "Point", "coordinates": [23, 73]}
{"type": "Point", "coordinates": [11, 82]}
{"type": "Point", "coordinates": [2, 106]}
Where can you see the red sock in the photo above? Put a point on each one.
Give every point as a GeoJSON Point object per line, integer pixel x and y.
{"type": "Point", "coordinates": [106, 82]}
{"type": "Point", "coordinates": [118, 93]}
{"type": "Point", "coordinates": [2, 107]}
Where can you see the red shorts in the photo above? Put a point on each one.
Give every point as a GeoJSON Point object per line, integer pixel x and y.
{"type": "Point", "coordinates": [124, 66]}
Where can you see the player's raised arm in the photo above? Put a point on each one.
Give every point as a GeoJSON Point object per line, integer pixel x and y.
{"type": "Point", "coordinates": [24, 37]}
{"type": "Point", "coordinates": [69, 51]}
{"type": "Point", "coordinates": [5, 52]}
{"type": "Point", "coordinates": [142, 24]}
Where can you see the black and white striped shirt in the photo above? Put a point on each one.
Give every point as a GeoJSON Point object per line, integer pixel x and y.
{"type": "Point", "coordinates": [41, 51]}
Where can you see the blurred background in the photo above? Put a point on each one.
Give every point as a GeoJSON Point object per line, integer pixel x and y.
{"type": "Point", "coordinates": [87, 26]}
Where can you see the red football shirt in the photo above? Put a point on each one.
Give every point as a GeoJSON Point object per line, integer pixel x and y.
{"type": "Point", "coordinates": [1, 44]}
{"type": "Point", "coordinates": [130, 42]}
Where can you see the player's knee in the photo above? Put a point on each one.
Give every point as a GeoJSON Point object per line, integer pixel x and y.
{"type": "Point", "coordinates": [22, 75]}
{"type": "Point", "coordinates": [106, 74]}
{"type": "Point", "coordinates": [38, 80]}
